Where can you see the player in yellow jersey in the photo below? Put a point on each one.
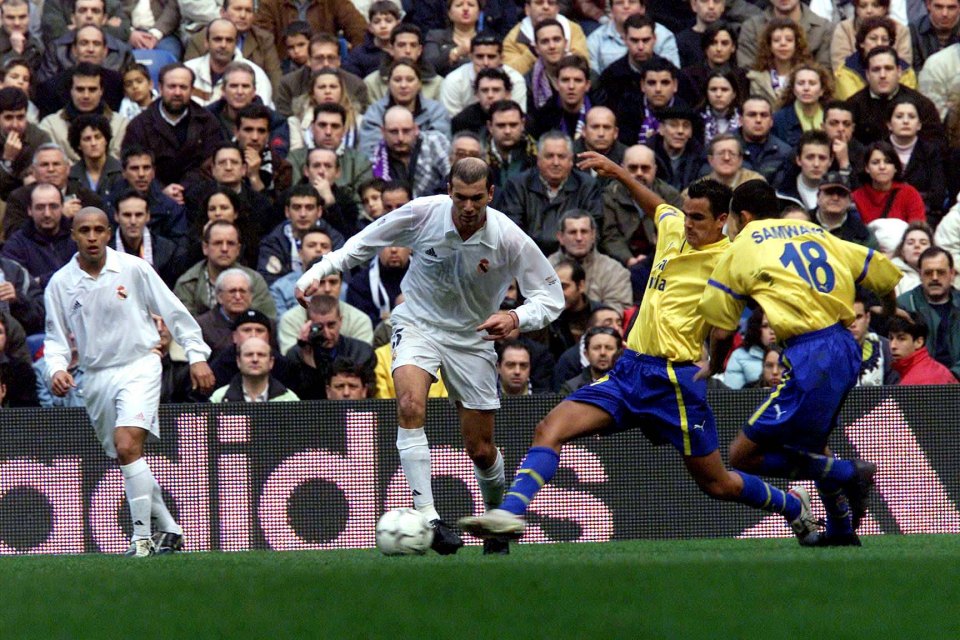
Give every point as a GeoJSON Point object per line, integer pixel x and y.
{"type": "Point", "coordinates": [653, 383]}
{"type": "Point", "coordinates": [804, 279]}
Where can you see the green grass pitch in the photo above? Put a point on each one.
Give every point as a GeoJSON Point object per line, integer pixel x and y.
{"type": "Point", "coordinates": [893, 587]}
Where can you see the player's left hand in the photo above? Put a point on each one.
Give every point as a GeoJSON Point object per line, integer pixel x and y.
{"type": "Point", "coordinates": [499, 325]}
{"type": "Point", "coordinates": [201, 377]}
{"type": "Point", "coordinates": [703, 374]}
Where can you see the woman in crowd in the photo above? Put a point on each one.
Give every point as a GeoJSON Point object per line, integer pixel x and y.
{"type": "Point", "coordinates": [783, 46]}
{"type": "Point", "coordinates": [922, 160]}
{"type": "Point", "coordinates": [326, 86]}
{"type": "Point", "coordinates": [746, 362]}
{"type": "Point", "coordinates": [882, 193]}
{"type": "Point", "coordinates": [447, 49]}
{"type": "Point", "coordinates": [852, 74]}
{"type": "Point", "coordinates": [224, 204]}
{"type": "Point", "coordinates": [719, 44]}
{"type": "Point", "coordinates": [97, 170]}
{"type": "Point", "coordinates": [721, 108]}
{"type": "Point", "coordinates": [917, 239]}
{"type": "Point", "coordinates": [771, 369]}
{"type": "Point", "coordinates": [809, 88]}
{"type": "Point", "coordinates": [403, 89]}
{"type": "Point", "coordinates": [844, 40]}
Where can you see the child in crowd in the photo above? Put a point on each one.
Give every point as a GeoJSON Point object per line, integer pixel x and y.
{"type": "Point", "coordinates": [138, 91]}
{"type": "Point", "coordinates": [296, 39]}
{"type": "Point", "coordinates": [363, 60]}
{"type": "Point", "coordinates": [370, 193]}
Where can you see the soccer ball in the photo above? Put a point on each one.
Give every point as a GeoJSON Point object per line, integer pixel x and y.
{"type": "Point", "coordinates": [403, 532]}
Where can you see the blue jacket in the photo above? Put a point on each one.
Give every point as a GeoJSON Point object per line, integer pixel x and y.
{"type": "Point", "coordinates": [167, 218]}
{"type": "Point", "coordinates": [41, 255]}
{"type": "Point", "coordinates": [275, 258]}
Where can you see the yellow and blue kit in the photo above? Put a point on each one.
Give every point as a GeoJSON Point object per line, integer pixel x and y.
{"type": "Point", "coordinates": [652, 383]}
{"type": "Point", "coordinates": [804, 279]}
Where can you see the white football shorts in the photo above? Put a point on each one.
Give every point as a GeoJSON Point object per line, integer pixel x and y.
{"type": "Point", "coordinates": [127, 396]}
{"type": "Point", "coordinates": [467, 362]}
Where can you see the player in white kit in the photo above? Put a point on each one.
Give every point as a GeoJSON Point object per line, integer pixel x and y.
{"type": "Point", "coordinates": [105, 299]}
{"type": "Point", "coordinates": [464, 258]}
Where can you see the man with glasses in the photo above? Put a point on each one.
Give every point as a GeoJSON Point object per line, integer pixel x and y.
{"type": "Point", "coordinates": [655, 382]}
{"type": "Point", "coordinates": [466, 255]}
{"type": "Point", "coordinates": [43, 245]}
{"type": "Point", "coordinates": [221, 249]}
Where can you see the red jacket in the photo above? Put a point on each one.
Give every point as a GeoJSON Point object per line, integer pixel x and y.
{"type": "Point", "coordinates": [920, 368]}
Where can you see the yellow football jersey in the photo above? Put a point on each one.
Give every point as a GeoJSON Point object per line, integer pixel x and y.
{"type": "Point", "coordinates": [668, 324]}
{"type": "Point", "coordinates": [802, 276]}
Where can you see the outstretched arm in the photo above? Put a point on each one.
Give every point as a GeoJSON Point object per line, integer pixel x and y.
{"type": "Point", "coordinates": [607, 168]}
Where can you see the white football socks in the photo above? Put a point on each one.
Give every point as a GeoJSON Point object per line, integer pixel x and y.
{"type": "Point", "coordinates": [492, 482]}
{"type": "Point", "coordinates": [161, 514]}
{"type": "Point", "coordinates": [138, 484]}
{"type": "Point", "coordinates": [415, 460]}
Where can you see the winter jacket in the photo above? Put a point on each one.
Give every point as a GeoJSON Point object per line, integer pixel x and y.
{"type": "Point", "coordinates": [40, 254]}
{"type": "Point", "coordinates": [608, 281]}
{"type": "Point", "coordinates": [915, 302]}
{"type": "Point", "coordinates": [921, 368]}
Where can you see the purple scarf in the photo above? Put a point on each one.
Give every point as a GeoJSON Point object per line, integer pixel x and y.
{"type": "Point", "coordinates": [542, 89]}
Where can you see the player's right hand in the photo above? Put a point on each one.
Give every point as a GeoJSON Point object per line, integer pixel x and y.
{"type": "Point", "coordinates": [61, 383]}
{"type": "Point", "coordinates": [303, 297]}
{"type": "Point", "coordinates": [604, 166]}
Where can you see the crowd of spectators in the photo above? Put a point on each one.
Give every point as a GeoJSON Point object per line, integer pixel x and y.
{"type": "Point", "coordinates": [254, 137]}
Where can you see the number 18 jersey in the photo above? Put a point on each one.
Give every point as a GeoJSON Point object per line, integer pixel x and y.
{"type": "Point", "coordinates": [802, 276]}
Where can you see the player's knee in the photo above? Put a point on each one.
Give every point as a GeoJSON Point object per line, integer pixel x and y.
{"type": "Point", "coordinates": [128, 450]}
{"type": "Point", "coordinates": [411, 409]}
{"type": "Point", "coordinates": [547, 434]}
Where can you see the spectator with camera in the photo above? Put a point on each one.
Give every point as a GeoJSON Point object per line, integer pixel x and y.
{"type": "Point", "coordinates": [319, 344]}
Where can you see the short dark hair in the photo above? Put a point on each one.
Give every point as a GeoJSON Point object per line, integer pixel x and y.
{"type": "Point", "coordinates": [330, 107]}
{"type": "Point", "coordinates": [302, 190]}
{"type": "Point", "coordinates": [486, 40]}
{"type": "Point", "coordinates": [839, 105]}
{"type": "Point", "coordinates": [574, 61]}
{"type": "Point", "coordinates": [398, 185]}
{"type": "Point", "coordinates": [658, 65]}
{"type": "Point", "coordinates": [373, 183]}
{"type": "Point", "coordinates": [638, 21]}
{"type": "Point", "coordinates": [328, 150]}
{"type": "Point", "coordinates": [879, 51]}
{"type": "Point", "coordinates": [916, 329]}
{"type": "Point", "coordinates": [716, 193]}
{"type": "Point", "coordinates": [406, 27]}
{"type": "Point", "coordinates": [225, 144]}
{"type": "Point", "coordinates": [543, 24]}
{"type": "Point", "coordinates": [511, 344]}
{"type": "Point", "coordinates": [135, 66]}
{"type": "Point", "coordinates": [504, 105]}
{"type": "Point", "coordinates": [933, 252]}
{"type": "Point", "coordinates": [13, 99]}
{"type": "Point", "coordinates": [382, 6]}
{"type": "Point", "coordinates": [299, 28]}
{"type": "Point", "coordinates": [135, 150]}
{"type": "Point", "coordinates": [343, 366]}
{"type": "Point", "coordinates": [576, 269]}
{"type": "Point", "coordinates": [84, 120]}
{"type": "Point", "coordinates": [86, 70]}
{"type": "Point", "coordinates": [814, 136]}
{"type": "Point", "coordinates": [593, 332]}
{"type": "Point", "coordinates": [254, 112]}
{"type": "Point", "coordinates": [493, 74]}
{"type": "Point", "coordinates": [757, 197]}
{"type": "Point", "coordinates": [129, 194]}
